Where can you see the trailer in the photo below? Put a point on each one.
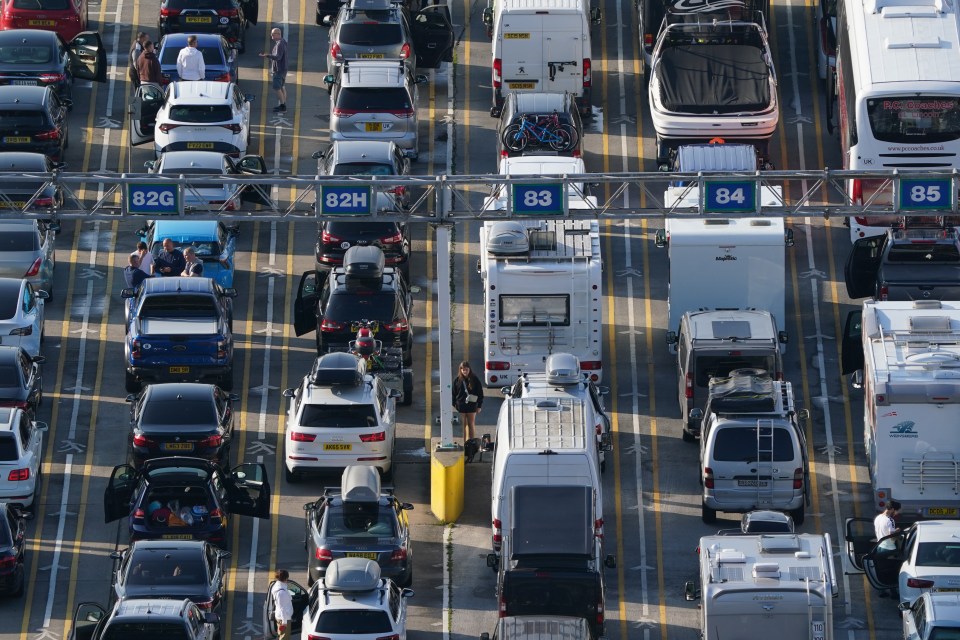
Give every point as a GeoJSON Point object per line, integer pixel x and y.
{"type": "Point", "coordinates": [542, 295]}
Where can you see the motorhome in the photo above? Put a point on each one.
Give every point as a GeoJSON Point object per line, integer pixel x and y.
{"type": "Point", "coordinates": [906, 355]}
{"type": "Point", "coordinates": [542, 295]}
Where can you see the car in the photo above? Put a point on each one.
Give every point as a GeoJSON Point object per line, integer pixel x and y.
{"type": "Point", "coordinates": [932, 616]}
{"type": "Point", "coordinates": [351, 602]}
{"type": "Point", "coordinates": [765, 521]}
{"type": "Point", "coordinates": [28, 250]}
{"type": "Point", "coordinates": [335, 237]}
{"type": "Point", "coordinates": [21, 314]}
{"type": "Point", "coordinates": [214, 242]}
{"type": "Point", "coordinates": [21, 449]}
{"type": "Point", "coordinates": [66, 18]}
{"type": "Point", "coordinates": [181, 418]}
{"type": "Point", "coordinates": [338, 417]}
{"type": "Point", "coordinates": [219, 57]}
{"type": "Point", "coordinates": [33, 57]}
{"type": "Point", "coordinates": [144, 618]}
{"type": "Point", "coordinates": [360, 520]}
{"type": "Point", "coordinates": [13, 535]}
{"type": "Point", "coordinates": [29, 196]}
{"type": "Point", "coordinates": [182, 498]}
{"type": "Point", "coordinates": [368, 158]}
{"type": "Point", "coordinates": [191, 116]}
{"type": "Point", "coordinates": [34, 119]}
{"type": "Point", "coordinates": [229, 18]}
{"type": "Point", "coordinates": [375, 100]}
{"type": "Point", "coordinates": [826, 30]}
{"type": "Point", "coordinates": [541, 107]}
{"type": "Point", "coordinates": [171, 569]}
{"type": "Point", "coordinates": [217, 197]}
{"type": "Point", "coordinates": [21, 380]}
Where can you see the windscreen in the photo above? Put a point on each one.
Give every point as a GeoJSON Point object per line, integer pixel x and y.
{"type": "Point", "coordinates": [924, 252]}
{"type": "Point", "coordinates": [354, 622]}
{"type": "Point", "coordinates": [42, 5]}
{"type": "Point", "coordinates": [367, 34]}
{"type": "Point", "coordinates": [913, 120]}
{"type": "Point", "coordinates": [537, 311]}
{"type": "Point", "coordinates": [201, 114]}
{"type": "Point", "coordinates": [145, 631]}
{"type": "Point", "coordinates": [326, 416]}
{"type": "Point", "coordinates": [377, 99]}
{"type": "Point", "coordinates": [25, 54]}
{"type": "Point", "coordinates": [8, 448]}
{"type": "Point", "coordinates": [363, 520]}
{"type": "Point", "coordinates": [544, 593]}
{"type": "Point", "coordinates": [720, 366]}
{"type": "Point", "coordinates": [19, 241]}
{"type": "Point", "coordinates": [739, 444]}
{"type": "Point", "coordinates": [363, 169]}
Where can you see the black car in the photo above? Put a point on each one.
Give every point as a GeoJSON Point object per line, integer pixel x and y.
{"type": "Point", "coordinates": [13, 528]}
{"type": "Point", "coordinates": [181, 418]}
{"type": "Point", "coordinates": [219, 57]}
{"type": "Point", "coordinates": [185, 498]}
{"type": "Point", "coordinates": [33, 119]}
{"type": "Point", "coordinates": [18, 194]}
{"type": "Point", "coordinates": [21, 380]}
{"type": "Point", "coordinates": [229, 18]}
{"type": "Point", "coordinates": [171, 569]}
{"type": "Point", "coordinates": [32, 57]}
{"type": "Point", "coordinates": [336, 236]}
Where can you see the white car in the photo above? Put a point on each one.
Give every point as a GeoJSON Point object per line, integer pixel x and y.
{"type": "Point", "coordinates": [21, 314]}
{"type": "Point", "coordinates": [351, 602]}
{"type": "Point", "coordinates": [339, 416]}
{"type": "Point", "coordinates": [191, 116]}
{"type": "Point", "coordinates": [220, 196]}
{"type": "Point", "coordinates": [21, 450]}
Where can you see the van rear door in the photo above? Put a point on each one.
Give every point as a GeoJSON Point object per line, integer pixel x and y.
{"type": "Point", "coordinates": [521, 53]}
{"type": "Point", "coordinates": [563, 53]}
{"type": "Point", "coordinates": [747, 474]}
{"type": "Point", "coordinates": [554, 593]}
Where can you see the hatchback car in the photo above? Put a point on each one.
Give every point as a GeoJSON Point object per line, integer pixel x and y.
{"type": "Point", "coordinates": [21, 314]}
{"type": "Point", "coordinates": [13, 536]}
{"type": "Point", "coordinates": [221, 196]}
{"type": "Point", "coordinates": [191, 116]}
{"type": "Point", "coordinates": [214, 243]}
{"type": "Point", "coordinates": [34, 119]}
{"type": "Point", "coordinates": [172, 569]}
{"type": "Point", "coordinates": [378, 158]}
{"type": "Point", "coordinates": [21, 380]}
{"type": "Point", "coordinates": [21, 449]}
{"type": "Point", "coordinates": [185, 498]}
{"type": "Point", "coordinates": [67, 18]}
{"type": "Point", "coordinates": [181, 418]}
{"type": "Point", "coordinates": [229, 18]}
{"type": "Point", "coordinates": [31, 57]}
{"type": "Point", "coordinates": [28, 250]}
{"type": "Point", "coordinates": [219, 57]}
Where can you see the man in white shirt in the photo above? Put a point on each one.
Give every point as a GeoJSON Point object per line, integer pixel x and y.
{"type": "Point", "coordinates": [884, 526]}
{"type": "Point", "coordinates": [283, 604]}
{"type": "Point", "coordinates": [190, 64]}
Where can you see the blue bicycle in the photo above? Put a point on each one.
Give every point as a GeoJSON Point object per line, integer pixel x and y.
{"type": "Point", "coordinates": [546, 130]}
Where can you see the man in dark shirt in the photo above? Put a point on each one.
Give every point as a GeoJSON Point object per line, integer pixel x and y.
{"type": "Point", "coordinates": [170, 261]}
{"type": "Point", "coordinates": [193, 268]}
{"type": "Point", "coordinates": [148, 66]}
{"type": "Point", "coordinates": [133, 274]}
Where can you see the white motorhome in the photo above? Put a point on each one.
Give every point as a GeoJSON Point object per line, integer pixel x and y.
{"type": "Point", "coordinates": [782, 585]}
{"type": "Point", "coordinates": [909, 355]}
{"type": "Point", "coordinates": [542, 295]}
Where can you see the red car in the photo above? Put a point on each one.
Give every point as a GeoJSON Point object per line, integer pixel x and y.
{"type": "Point", "coordinates": [66, 17]}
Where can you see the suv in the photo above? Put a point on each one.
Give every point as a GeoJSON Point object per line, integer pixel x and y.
{"type": "Point", "coordinates": [362, 289]}
{"type": "Point", "coordinates": [534, 107]}
{"type": "Point", "coordinates": [338, 417]}
{"type": "Point", "coordinates": [229, 18]}
{"type": "Point", "coordinates": [34, 119]}
{"type": "Point", "coordinates": [180, 619]}
{"type": "Point", "coordinates": [375, 100]}
{"type": "Point", "coordinates": [905, 264]}
{"type": "Point", "coordinates": [21, 449]}
{"type": "Point", "coordinates": [191, 116]}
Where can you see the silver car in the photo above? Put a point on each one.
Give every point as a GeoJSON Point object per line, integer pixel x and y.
{"type": "Point", "coordinates": [28, 250]}
{"type": "Point", "coordinates": [21, 315]}
{"type": "Point", "coordinates": [214, 197]}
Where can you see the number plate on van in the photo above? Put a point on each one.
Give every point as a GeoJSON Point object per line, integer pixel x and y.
{"type": "Point", "coordinates": [516, 36]}
{"type": "Point", "coordinates": [522, 85]}
{"type": "Point", "coordinates": [753, 483]}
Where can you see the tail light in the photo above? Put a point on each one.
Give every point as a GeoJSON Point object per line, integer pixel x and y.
{"type": "Point", "coordinates": [335, 51]}
{"type": "Point", "coordinates": [797, 479]}
{"type": "Point", "coordinates": [493, 365]}
{"type": "Point", "coordinates": [43, 202]}
{"type": "Point", "coordinates": [218, 514]}
{"type": "Point", "coordinates": [50, 78]}
{"type": "Point", "coordinates": [497, 532]}
{"type": "Point", "coordinates": [884, 292]}
{"type": "Point", "coordinates": [206, 605]}
{"type": "Point", "coordinates": [223, 77]}
{"type": "Point", "coordinates": [23, 331]}
{"type": "Point", "coordinates": [599, 429]}
{"type": "Point", "coordinates": [138, 516]}
{"type": "Point", "coordinates": [165, 79]}
{"type": "Point", "coordinates": [314, 636]}
{"type": "Point", "coordinates": [599, 611]}
{"type": "Point", "coordinates": [167, 128]}
{"type": "Point", "coordinates": [917, 583]}
{"type": "Point", "coordinates": [34, 268]}
{"type": "Point", "coordinates": [326, 236]}
{"type": "Point", "coordinates": [857, 191]}
{"type": "Point", "coordinates": [708, 478]}
{"type": "Point", "coordinates": [221, 349]}
{"type": "Point", "coordinates": [397, 238]}
{"type": "Point", "coordinates": [136, 350]}
{"type": "Point", "coordinates": [236, 128]}
{"type": "Point", "coordinates": [380, 436]}
{"type": "Point", "coordinates": [47, 135]}
{"type": "Point", "coordinates": [18, 475]}
{"type": "Point", "coordinates": [591, 365]}
{"type": "Point", "coordinates": [598, 527]}
{"type": "Point", "coordinates": [229, 13]}
{"type": "Point", "coordinates": [688, 386]}
{"type": "Point", "coordinates": [167, 13]}
{"type": "Point", "coordinates": [403, 113]}
{"type": "Point", "coordinates": [140, 440]}
{"type": "Point", "coordinates": [405, 51]}
{"type": "Point", "coordinates": [502, 608]}
{"type": "Point", "coordinates": [648, 42]}
{"type": "Point", "coordinates": [396, 327]}
{"type": "Point", "coordinates": [399, 555]}
{"type": "Point", "coordinates": [16, 404]}
{"type": "Point", "coordinates": [779, 376]}
{"type": "Point", "coordinates": [497, 73]}
{"type": "Point", "coordinates": [323, 555]}
{"type": "Point", "coordinates": [331, 325]}
{"type": "Point", "coordinates": [391, 637]}
{"type": "Point", "coordinates": [344, 113]}
{"type": "Point", "coordinates": [576, 153]}
{"type": "Point", "coordinates": [7, 563]}
{"type": "Point", "coordinates": [587, 73]}
{"type": "Point", "coordinates": [211, 441]}
{"type": "Point", "coordinates": [299, 436]}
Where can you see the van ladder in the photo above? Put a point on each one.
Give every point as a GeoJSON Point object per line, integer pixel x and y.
{"type": "Point", "coordinates": [764, 462]}
{"type": "Point", "coordinates": [580, 306]}
{"type": "Point", "coordinates": [819, 616]}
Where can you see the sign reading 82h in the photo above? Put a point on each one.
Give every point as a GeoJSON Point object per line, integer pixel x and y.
{"type": "Point", "coordinates": [153, 198]}
{"type": "Point", "coordinates": [538, 199]}
{"type": "Point", "coordinates": [346, 200]}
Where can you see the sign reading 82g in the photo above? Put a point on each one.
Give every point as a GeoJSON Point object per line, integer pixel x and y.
{"type": "Point", "coordinates": [926, 193]}
{"type": "Point", "coordinates": [153, 198]}
{"type": "Point", "coordinates": [538, 199]}
{"type": "Point", "coordinates": [729, 196]}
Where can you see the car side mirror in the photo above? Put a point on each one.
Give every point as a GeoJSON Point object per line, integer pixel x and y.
{"type": "Point", "coordinates": [43, 295]}
{"type": "Point", "coordinates": [288, 393]}
{"type": "Point", "coordinates": [38, 359]}
{"type": "Point", "coordinates": [783, 337]}
{"type": "Point", "coordinates": [696, 414]}
{"type": "Point", "coordinates": [671, 337]}
{"type": "Point", "coordinates": [53, 226]}
{"type": "Point", "coordinates": [603, 391]}
{"type": "Point", "coordinates": [690, 591]}
{"type": "Point", "coordinates": [595, 15]}
{"type": "Point", "coordinates": [420, 79]}
{"type": "Point", "coordinates": [130, 398]}
{"type": "Point", "coordinates": [149, 164]}
{"type": "Point", "coordinates": [484, 636]}
{"type": "Point", "coordinates": [211, 618]}
{"type": "Point", "coordinates": [406, 506]}
{"type": "Point", "coordinates": [804, 415]}
{"type": "Point", "coordinates": [128, 293]}
{"type": "Point", "coordinates": [116, 555]}
{"type": "Point", "coordinates": [505, 392]}
{"type": "Point", "coordinates": [407, 593]}
{"type": "Point", "coordinates": [57, 165]}
{"type": "Point", "coordinates": [660, 240]}
{"type": "Point", "coordinates": [903, 606]}
{"type": "Point", "coordinates": [395, 393]}
{"type": "Point", "coordinates": [41, 426]}
{"type": "Point", "coordinates": [66, 103]}
{"type": "Point", "coordinates": [610, 562]}
{"type": "Point", "coordinates": [224, 554]}
{"type": "Point", "coordinates": [230, 292]}
{"type": "Point", "coordinates": [233, 397]}
{"type": "Point", "coordinates": [328, 80]}
{"type": "Point", "coordinates": [317, 155]}
{"type": "Point", "coordinates": [493, 561]}
{"type": "Point", "coordinates": [327, 21]}
{"type": "Point", "coordinates": [788, 237]}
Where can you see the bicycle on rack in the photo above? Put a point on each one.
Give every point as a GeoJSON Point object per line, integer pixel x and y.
{"type": "Point", "coordinates": [546, 130]}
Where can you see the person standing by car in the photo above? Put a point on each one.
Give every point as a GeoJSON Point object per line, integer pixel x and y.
{"type": "Point", "coordinates": [467, 399]}
{"type": "Point", "coordinates": [135, 52]}
{"type": "Point", "coordinates": [190, 64]}
{"type": "Point", "coordinates": [279, 67]}
{"type": "Point", "coordinates": [170, 261]}
{"type": "Point", "coordinates": [884, 526]}
{"type": "Point", "coordinates": [146, 258]}
{"type": "Point", "coordinates": [193, 267]}
{"type": "Point", "coordinates": [133, 275]}
{"type": "Point", "coordinates": [148, 66]}
{"type": "Point", "coordinates": [282, 604]}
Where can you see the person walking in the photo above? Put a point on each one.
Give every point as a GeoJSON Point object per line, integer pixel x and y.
{"type": "Point", "coordinates": [279, 67]}
{"type": "Point", "coordinates": [135, 52]}
{"type": "Point", "coordinates": [133, 275]}
{"type": "Point", "coordinates": [146, 258]}
{"type": "Point", "coordinates": [148, 65]}
{"type": "Point", "coordinates": [467, 399]}
{"type": "Point", "coordinates": [193, 266]}
{"type": "Point", "coordinates": [884, 526]}
{"type": "Point", "coordinates": [170, 261]}
{"type": "Point", "coordinates": [190, 64]}
{"type": "Point", "coordinates": [282, 604]}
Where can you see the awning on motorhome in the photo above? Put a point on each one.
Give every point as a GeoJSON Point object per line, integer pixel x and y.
{"type": "Point", "coordinates": [708, 78]}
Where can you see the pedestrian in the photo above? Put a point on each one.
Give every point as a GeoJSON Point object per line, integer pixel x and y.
{"type": "Point", "coordinates": [170, 261]}
{"type": "Point", "coordinates": [146, 258]}
{"type": "Point", "coordinates": [885, 526]}
{"type": "Point", "coordinates": [190, 64]}
{"type": "Point", "coordinates": [279, 67]}
{"type": "Point", "coordinates": [148, 65]}
{"type": "Point", "coordinates": [282, 604]}
{"type": "Point", "coordinates": [467, 399]}
{"type": "Point", "coordinates": [135, 52]}
{"type": "Point", "coordinates": [133, 275]}
{"type": "Point", "coordinates": [193, 266]}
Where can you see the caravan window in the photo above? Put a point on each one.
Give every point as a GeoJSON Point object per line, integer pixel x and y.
{"type": "Point", "coordinates": [533, 310]}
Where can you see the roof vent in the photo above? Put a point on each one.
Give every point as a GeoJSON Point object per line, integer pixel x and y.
{"type": "Point", "coordinates": [766, 570]}
{"type": "Point", "coordinates": [930, 324]}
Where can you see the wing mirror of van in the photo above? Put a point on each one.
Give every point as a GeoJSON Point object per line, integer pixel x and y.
{"type": "Point", "coordinates": [690, 591]}
{"type": "Point", "coordinates": [803, 414]}
{"type": "Point", "coordinates": [671, 337]}
{"type": "Point", "coordinates": [493, 561]}
{"type": "Point", "coordinates": [783, 337]}
{"type": "Point", "coordinates": [856, 379]}
{"type": "Point", "coordinates": [505, 392]}
{"type": "Point", "coordinates": [660, 239]}
{"type": "Point", "coordinates": [696, 414]}
{"type": "Point", "coordinates": [488, 16]}
{"type": "Point", "coordinates": [484, 636]}
{"type": "Point", "coordinates": [788, 237]}
{"type": "Point", "coordinates": [603, 391]}
{"type": "Point", "coordinates": [610, 562]}
{"type": "Point", "coordinates": [606, 442]}
{"type": "Point", "coordinates": [595, 15]}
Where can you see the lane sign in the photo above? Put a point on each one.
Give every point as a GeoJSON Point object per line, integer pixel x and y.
{"type": "Point", "coordinates": [538, 199]}
{"type": "Point", "coordinates": [346, 200]}
{"type": "Point", "coordinates": [729, 196]}
{"type": "Point", "coordinates": [153, 199]}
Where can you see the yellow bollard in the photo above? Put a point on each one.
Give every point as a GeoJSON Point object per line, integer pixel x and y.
{"type": "Point", "coordinates": [446, 482]}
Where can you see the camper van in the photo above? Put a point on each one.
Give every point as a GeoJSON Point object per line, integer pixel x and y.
{"type": "Point", "coordinates": [542, 295]}
{"type": "Point", "coordinates": [781, 584]}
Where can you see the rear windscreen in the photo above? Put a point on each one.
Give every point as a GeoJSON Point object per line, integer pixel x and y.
{"type": "Point", "coordinates": [19, 240]}
{"type": "Point", "coordinates": [201, 113]}
{"type": "Point", "coordinates": [10, 376]}
{"type": "Point", "coordinates": [544, 593]}
{"type": "Point", "coordinates": [179, 412]}
{"type": "Point", "coordinates": [25, 54]}
{"type": "Point", "coordinates": [325, 416]}
{"type": "Point", "coordinates": [27, 119]}
{"type": "Point", "coordinates": [354, 622]}
{"type": "Point", "coordinates": [361, 305]}
{"type": "Point", "coordinates": [363, 169]}
{"type": "Point", "coordinates": [363, 229]}
{"type": "Point", "coordinates": [200, 4]}
{"type": "Point", "coordinates": [360, 519]}
{"type": "Point", "coordinates": [145, 631]}
{"type": "Point", "coordinates": [166, 567]}
{"type": "Point", "coordinates": [212, 56]}
{"type": "Point", "coordinates": [740, 444]}
{"type": "Point", "coordinates": [367, 34]}
{"type": "Point", "coordinates": [42, 5]}
{"type": "Point", "coordinates": [9, 301]}
{"type": "Point", "coordinates": [8, 448]}
{"type": "Point", "coordinates": [178, 305]}
{"type": "Point", "coordinates": [720, 366]}
{"type": "Point", "coordinates": [374, 99]}
{"type": "Point", "coordinates": [924, 252]}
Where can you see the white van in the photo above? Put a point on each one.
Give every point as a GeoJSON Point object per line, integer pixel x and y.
{"type": "Point", "coordinates": [541, 46]}
{"type": "Point", "coordinates": [544, 442]}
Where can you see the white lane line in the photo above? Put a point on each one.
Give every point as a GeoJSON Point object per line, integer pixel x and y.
{"type": "Point", "coordinates": [252, 562]}
{"type": "Point", "coordinates": [58, 545]}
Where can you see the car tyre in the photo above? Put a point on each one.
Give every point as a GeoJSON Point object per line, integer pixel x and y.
{"type": "Point", "coordinates": [131, 382]}
{"type": "Point", "coordinates": [708, 515]}
{"type": "Point", "coordinates": [408, 581]}
{"type": "Point", "coordinates": [408, 356]}
{"type": "Point", "coordinates": [798, 515]}
{"type": "Point", "coordinates": [407, 399]}
{"type": "Point", "coordinates": [242, 40]}
{"type": "Point", "coordinates": [226, 380]}
{"type": "Point", "coordinates": [291, 476]}
{"type": "Point", "coordinates": [21, 583]}
{"type": "Point", "coordinates": [310, 580]}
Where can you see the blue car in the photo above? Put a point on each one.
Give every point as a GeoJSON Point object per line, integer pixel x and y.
{"type": "Point", "coordinates": [214, 242]}
{"type": "Point", "coordinates": [219, 57]}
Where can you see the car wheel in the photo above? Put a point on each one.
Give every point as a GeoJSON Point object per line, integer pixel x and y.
{"type": "Point", "coordinates": [131, 382]}
{"type": "Point", "coordinates": [310, 579]}
{"type": "Point", "coordinates": [21, 583]}
{"type": "Point", "coordinates": [226, 380]}
{"type": "Point", "coordinates": [405, 272]}
{"type": "Point", "coordinates": [798, 515]}
{"type": "Point", "coordinates": [291, 477]}
{"type": "Point", "coordinates": [708, 515]}
{"type": "Point", "coordinates": [408, 581]}
{"type": "Point", "coordinates": [242, 42]}
{"type": "Point", "coordinates": [66, 141]}
{"type": "Point", "coordinates": [408, 356]}
{"type": "Point", "coordinates": [407, 399]}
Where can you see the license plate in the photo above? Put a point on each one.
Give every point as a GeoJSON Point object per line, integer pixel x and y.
{"type": "Point", "coordinates": [371, 56]}
{"type": "Point", "coordinates": [753, 483]}
{"type": "Point", "coordinates": [357, 554]}
{"type": "Point", "coordinates": [42, 23]}
{"type": "Point", "coordinates": [177, 536]}
{"type": "Point", "coordinates": [198, 20]}
{"type": "Point", "coordinates": [13, 205]}
{"type": "Point", "coordinates": [942, 511]}
{"type": "Point", "coordinates": [522, 85]}
{"type": "Point", "coordinates": [373, 126]}
{"type": "Point", "coordinates": [947, 589]}
{"type": "Point", "coordinates": [16, 139]}
{"type": "Point", "coordinates": [516, 36]}
{"type": "Point", "coordinates": [23, 83]}
{"type": "Point", "coordinates": [179, 369]}
{"type": "Point", "coordinates": [199, 145]}
{"type": "Point", "coordinates": [178, 446]}
{"type": "Point", "coordinates": [337, 447]}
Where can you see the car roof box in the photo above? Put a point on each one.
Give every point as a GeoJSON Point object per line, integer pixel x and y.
{"type": "Point", "coordinates": [339, 368]}
{"type": "Point", "coordinates": [507, 238]}
{"type": "Point", "coordinates": [363, 267]}
{"type": "Point", "coordinates": [360, 483]}
{"type": "Point", "coordinates": [563, 368]}
{"type": "Point", "coordinates": [743, 391]}
{"type": "Point", "coordinates": [352, 574]}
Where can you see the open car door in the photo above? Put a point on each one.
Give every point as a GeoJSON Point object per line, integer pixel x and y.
{"type": "Point", "coordinates": [88, 58]}
{"type": "Point", "coordinates": [860, 272]}
{"type": "Point", "coordinates": [882, 566]}
{"type": "Point", "coordinates": [86, 619]}
{"type": "Point", "coordinates": [305, 306]}
{"type": "Point", "coordinates": [433, 36]}
{"type": "Point", "coordinates": [255, 193]}
{"type": "Point", "coordinates": [146, 104]}
{"type": "Point", "coordinates": [249, 490]}
{"type": "Point", "coordinates": [299, 597]}
{"type": "Point", "coordinates": [250, 10]}
{"type": "Point", "coordinates": [116, 497]}
{"type": "Point", "coordinates": [851, 349]}
{"type": "Point", "coordinates": [859, 537]}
